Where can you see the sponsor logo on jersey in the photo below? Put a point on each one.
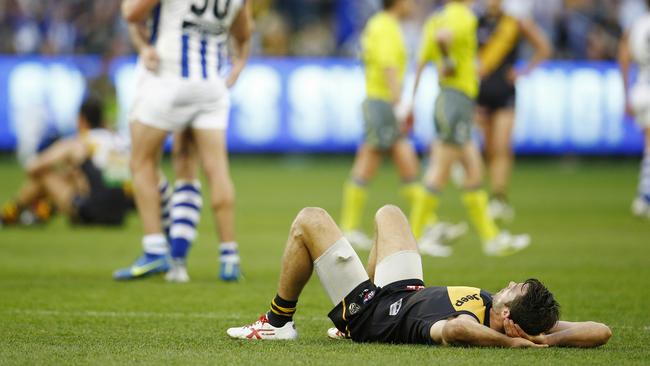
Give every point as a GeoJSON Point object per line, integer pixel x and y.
{"type": "Point", "coordinates": [466, 299]}
{"type": "Point", "coordinates": [414, 288]}
{"type": "Point", "coordinates": [354, 308]}
{"type": "Point", "coordinates": [367, 295]}
{"type": "Point", "coordinates": [395, 307]}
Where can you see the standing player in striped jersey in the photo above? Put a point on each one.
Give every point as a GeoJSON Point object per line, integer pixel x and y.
{"type": "Point", "coordinates": [449, 41]}
{"type": "Point", "coordinates": [635, 47]}
{"type": "Point", "coordinates": [385, 116]}
{"type": "Point", "coordinates": [184, 92]}
{"type": "Point", "coordinates": [499, 34]}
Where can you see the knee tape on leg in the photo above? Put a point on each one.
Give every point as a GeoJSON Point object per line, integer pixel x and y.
{"type": "Point", "coordinates": [404, 265]}
{"type": "Point", "coordinates": [340, 270]}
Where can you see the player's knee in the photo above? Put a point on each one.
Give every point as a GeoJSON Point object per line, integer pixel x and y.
{"type": "Point", "coordinates": [225, 199]}
{"type": "Point", "coordinates": [310, 219]}
{"type": "Point", "coordinates": [388, 212]}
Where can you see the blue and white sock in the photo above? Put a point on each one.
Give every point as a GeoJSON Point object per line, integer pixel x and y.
{"type": "Point", "coordinates": [185, 215]}
{"type": "Point", "coordinates": [165, 204]}
{"type": "Point", "coordinates": [644, 177]}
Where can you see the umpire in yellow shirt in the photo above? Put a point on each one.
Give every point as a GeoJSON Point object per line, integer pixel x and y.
{"type": "Point", "coordinates": [449, 41]}
{"type": "Point", "coordinates": [387, 118]}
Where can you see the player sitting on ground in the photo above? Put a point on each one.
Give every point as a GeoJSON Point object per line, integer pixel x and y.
{"type": "Point", "coordinates": [390, 304]}
{"type": "Point", "coordinates": [84, 176]}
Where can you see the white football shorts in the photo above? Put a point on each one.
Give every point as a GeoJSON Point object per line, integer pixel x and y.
{"type": "Point", "coordinates": [174, 104]}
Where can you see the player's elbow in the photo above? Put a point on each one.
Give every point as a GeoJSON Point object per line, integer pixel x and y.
{"type": "Point", "coordinates": [131, 14]}
{"type": "Point", "coordinates": [601, 333]}
{"type": "Point", "coordinates": [454, 332]}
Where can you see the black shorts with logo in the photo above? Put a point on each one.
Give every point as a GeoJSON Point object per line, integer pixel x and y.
{"type": "Point", "coordinates": [372, 314]}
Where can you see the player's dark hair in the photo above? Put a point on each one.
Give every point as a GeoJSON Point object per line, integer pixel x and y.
{"type": "Point", "coordinates": [92, 109]}
{"type": "Point", "coordinates": [536, 311]}
{"type": "Point", "coordinates": [387, 4]}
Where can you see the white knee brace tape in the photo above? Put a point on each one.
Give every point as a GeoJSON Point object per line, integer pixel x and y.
{"type": "Point", "coordinates": [340, 270]}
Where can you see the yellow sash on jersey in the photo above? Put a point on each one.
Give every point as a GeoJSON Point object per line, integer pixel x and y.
{"type": "Point", "coordinates": [467, 299]}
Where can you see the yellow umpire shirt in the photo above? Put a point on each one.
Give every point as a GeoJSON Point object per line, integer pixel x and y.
{"type": "Point", "coordinates": [383, 47]}
{"type": "Point", "coordinates": [458, 19]}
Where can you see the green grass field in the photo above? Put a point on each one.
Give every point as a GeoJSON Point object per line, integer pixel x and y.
{"type": "Point", "coordinates": [58, 304]}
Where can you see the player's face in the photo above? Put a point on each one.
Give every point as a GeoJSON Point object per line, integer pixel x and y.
{"type": "Point", "coordinates": [406, 8]}
{"type": "Point", "coordinates": [493, 6]}
{"type": "Point", "coordinates": [508, 294]}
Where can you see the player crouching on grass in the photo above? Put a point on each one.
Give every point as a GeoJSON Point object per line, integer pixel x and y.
{"type": "Point", "coordinates": [85, 176]}
{"type": "Point", "coordinates": [390, 304]}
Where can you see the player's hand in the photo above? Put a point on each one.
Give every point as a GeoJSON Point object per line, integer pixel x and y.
{"type": "Point", "coordinates": [513, 330]}
{"type": "Point", "coordinates": [150, 58]}
{"type": "Point", "coordinates": [629, 111]}
{"type": "Point", "coordinates": [406, 126]}
{"type": "Point", "coordinates": [237, 68]}
{"type": "Point", "coordinates": [525, 343]}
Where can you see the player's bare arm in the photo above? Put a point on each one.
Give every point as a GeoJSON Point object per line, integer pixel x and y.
{"type": "Point", "coordinates": [566, 334]}
{"type": "Point", "coordinates": [68, 151]}
{"type": "Point", "coordinates": [241, 31]}
{"type": "Point", "coordinates": [137, 10]}
{"type": "Point", "coordinates": [538, 40]}
{"type": "Point", "coordinates": [139, 34]}
{"type": "Point", "coordinates": [624, 61]}
{"type": "Point", "coordinates": [464, 330]}
{"type": "Point", "coordinates": [444, 38]}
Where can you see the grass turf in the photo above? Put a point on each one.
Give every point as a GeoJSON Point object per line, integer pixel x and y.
{"type": "Point", "coordinates": [58, 304]}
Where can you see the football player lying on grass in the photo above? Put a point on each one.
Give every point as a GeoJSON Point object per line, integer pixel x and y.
{"type": "Point", "coordinates": [389, 303]}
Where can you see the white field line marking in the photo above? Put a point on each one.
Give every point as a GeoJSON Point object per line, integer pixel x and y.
{"type": "Point", "coordinates": [144, 314]}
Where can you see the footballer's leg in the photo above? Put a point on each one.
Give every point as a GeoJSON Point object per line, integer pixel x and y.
{"type": "Point", "coordinates": [394, 255]}
{"type": "Point", "coordinates": [500, 162]}
{"type": "Point", "coordinates": [314, 243]}
{"type": "Point", "coordinates": [475, 199]}
{"type": "Point", "coordinates": [406, 162]}
{"type": "Point", "coordinates": [211, 146]}
{"type": "Point", "coordinates": [641, 204]}
{"type": "Point", "coordinates": [184, 204]}
{"type": "Point", "coordinates": [32, 193]}
{"type": "Point", "coordinates": [146, 146]}
{"type": "Point", "coordinates": [394, 246]}
{"type": "Point", "coordinates": [355, 194]}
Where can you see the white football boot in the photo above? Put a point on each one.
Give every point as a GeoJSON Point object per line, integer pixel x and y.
{"type": "Point", "coordinates": [334, 333]}
{"type": "Point", "coordinates": [506, 244]}
{"type": "Point", "coordinates": [262, 330]}
{"type": "Point", "coordinates": [358, 240]}
{"type": "Point", "coordinates": [178, 272]}
{"type": "Point", "coordinates": [501, 211]}
{"type": "Point", "coordinates": [434, 248]}
{"type": "Point", "coordinates": [446, 232]}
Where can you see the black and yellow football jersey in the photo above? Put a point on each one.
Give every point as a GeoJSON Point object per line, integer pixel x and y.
{"type": "Point", "coordinates": [498, 40]}
{"type": "Point", "coordinates": [405, 311]}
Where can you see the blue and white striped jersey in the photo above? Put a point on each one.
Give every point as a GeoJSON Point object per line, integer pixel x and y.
{"type": "Point", "coordinates": [191, 36]}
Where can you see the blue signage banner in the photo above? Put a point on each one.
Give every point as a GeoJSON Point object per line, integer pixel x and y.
{"type": "Point", "coordinates": [313, 105]}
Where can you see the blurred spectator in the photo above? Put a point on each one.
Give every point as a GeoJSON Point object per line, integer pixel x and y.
{"type": "Point", "coordinates": [579, 29]}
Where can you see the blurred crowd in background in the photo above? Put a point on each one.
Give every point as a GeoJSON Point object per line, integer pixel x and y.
{"type": "Point", "coordinates": [579, 29]}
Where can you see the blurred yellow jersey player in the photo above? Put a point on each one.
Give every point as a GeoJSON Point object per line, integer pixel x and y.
{"type": "Point", "coordinates": [386, 116]}
{"type": "Point", "coordinates": [449, 41]}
